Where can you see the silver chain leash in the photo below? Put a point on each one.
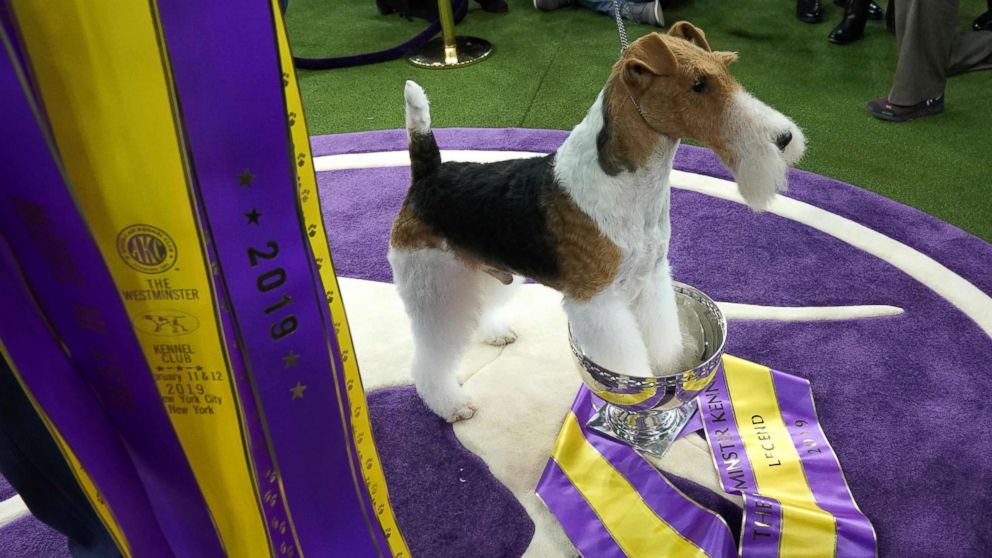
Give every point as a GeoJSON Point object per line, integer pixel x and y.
{"type": "Point", "coordinates": [620, 28]}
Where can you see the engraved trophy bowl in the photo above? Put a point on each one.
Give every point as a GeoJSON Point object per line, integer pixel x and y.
{"type": "Point", "coordinates": [648, 413]}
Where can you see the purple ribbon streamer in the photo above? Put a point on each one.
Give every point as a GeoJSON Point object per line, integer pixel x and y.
{"type": "Point", "coordinates": [720, 423]}
{"type": "Point", "coordinates": [273, 507]}
{"type": "Point", "coordinates": [77, 294]}
{"type": "Point", "coordinates": [579, 521]}
{"type": "Point", "coordinates": [75, 412]}
{"type": "Point", "coordinates": [228, 80]}
{"type": "Point", "coordinates": [761, 532]}
{"type": "Point", "coordinates": [702, 527]}
{"type": "Point", "coordinates": [855, 535]}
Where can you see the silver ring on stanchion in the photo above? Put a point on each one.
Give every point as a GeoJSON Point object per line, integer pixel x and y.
{"type": "Point", "coordinates": [449, 51]}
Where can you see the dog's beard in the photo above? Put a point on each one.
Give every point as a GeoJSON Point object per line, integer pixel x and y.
{"type": "Point", "coordinates": [759, 166]}
{"type": "Point", "coordinates": [760, 174]}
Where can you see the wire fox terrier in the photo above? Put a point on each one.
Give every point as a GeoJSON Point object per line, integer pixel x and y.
{"type": "Point", "coordinates": [590, 220]}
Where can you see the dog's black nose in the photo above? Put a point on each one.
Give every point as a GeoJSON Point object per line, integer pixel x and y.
{"type": "Point", "coordinates": [782, 141]}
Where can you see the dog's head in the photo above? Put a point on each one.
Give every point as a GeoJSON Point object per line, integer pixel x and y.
{"type": "Point", "coordinates": [677, 86]}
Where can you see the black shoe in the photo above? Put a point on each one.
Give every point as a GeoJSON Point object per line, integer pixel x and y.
{"type": "Point", "coordinates": [874, 10]}
{"type": "Point", "coordinates": [496, 6]}
{"type": "Point", "coordinates": [983, 22]}
{"type": "Point", "coordinates": [884, 110]}
{"type": "Point", "coordinates": [809, 11]}
{"type": "Point", "coordinates": [852, 27]}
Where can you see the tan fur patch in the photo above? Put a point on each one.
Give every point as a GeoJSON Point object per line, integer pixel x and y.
{"type": "Point", "coordinates": [411, 233]}
{"type": "Point", "coordinates": [588, 262]}
{"type": "Point", "coordinates": [659, 72]}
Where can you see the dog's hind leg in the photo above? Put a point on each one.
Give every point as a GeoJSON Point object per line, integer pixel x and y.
{"type": "Point", "coordinates": [605, 328]}
{"type": "Point", "coordinates": [441, 297]}
{"type": "Point", "coordinates": [494, 325]}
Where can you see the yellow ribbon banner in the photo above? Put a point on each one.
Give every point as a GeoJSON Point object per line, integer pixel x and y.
{"type": "Point", "coordinates": [767, 446]}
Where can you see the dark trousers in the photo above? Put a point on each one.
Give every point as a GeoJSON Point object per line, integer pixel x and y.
{"type": "Point", "coordinates": [32, 463]}
{"type": "Point", "coordinates": [930, 49]}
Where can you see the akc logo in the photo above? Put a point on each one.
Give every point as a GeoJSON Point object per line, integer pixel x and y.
{"type": "Point", "coordinates": [146, 248]}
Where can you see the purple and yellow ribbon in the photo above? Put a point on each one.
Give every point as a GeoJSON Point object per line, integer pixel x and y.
{"type": "Point", "coordinates": [768, 447]}
{"type": "Point", "coordinates": [98, 397]}
{"type": "Point", "coordinates": [612, 502]}
{"type": "Point", "coordinates": [180, 131]}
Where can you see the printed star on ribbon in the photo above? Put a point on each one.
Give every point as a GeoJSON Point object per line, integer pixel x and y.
{"type": "Point", "coordinates": [245, 178]}
{"type": "Point", "coordinates": [289, 360]}
{"type": "Point", "coordinates": [253, 216]}
{"type": "Point", "coordinates": [297, 390]}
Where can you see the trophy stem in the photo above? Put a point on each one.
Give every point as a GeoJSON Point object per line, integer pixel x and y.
{"type": "Point", "coordinates": [652, 431]}
{"type": "Point", "coordinates": [450, 51]}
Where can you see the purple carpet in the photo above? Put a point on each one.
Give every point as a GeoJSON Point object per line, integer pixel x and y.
{"type": "Point", "coordinates": [421, 456]}
{"type": "Point", "coordinates": [902, 399]}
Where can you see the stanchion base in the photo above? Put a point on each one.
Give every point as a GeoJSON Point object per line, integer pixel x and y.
{"type": "Point", "coordinates": [433, 54]}
{"type": "Point", "coordinates": [651, 432]}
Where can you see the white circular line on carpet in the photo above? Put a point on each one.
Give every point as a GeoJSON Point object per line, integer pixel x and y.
{"type": "Point", "coordinates": [738, 311]}
{"type": "Point", "coordinates": [11, 510]}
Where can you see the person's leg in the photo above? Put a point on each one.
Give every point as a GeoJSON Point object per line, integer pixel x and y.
{"type": "Point", "coordinates": [601, 6]}
{"type": "Point", "coordinates": [32, 463]}
{"type": "Point", "coordinates": [548, 5]}
{"type": "Point", "coordinates": [925, 32]}
{"type": "Point", "coordinates": [640, 11]}
{"type": "Point", "coordinates": [970, 51]}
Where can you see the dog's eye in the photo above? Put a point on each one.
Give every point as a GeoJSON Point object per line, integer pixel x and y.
{"type": "Point", "coordinates": [699, 86]}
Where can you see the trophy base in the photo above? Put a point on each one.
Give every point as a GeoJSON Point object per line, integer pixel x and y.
{"type": "Point", "coordinates": [651, 432]}
{"type": "Point", "coordinates": [468, 50]}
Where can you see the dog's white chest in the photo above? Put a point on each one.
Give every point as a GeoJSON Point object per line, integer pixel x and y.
{"type": "Point", "coordinates": [643, 237]}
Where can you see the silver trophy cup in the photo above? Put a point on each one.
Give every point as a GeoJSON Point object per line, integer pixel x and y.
{"type": "Point", "coordinates": [649, 413]}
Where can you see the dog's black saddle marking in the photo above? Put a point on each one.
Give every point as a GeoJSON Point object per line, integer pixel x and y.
{"type": "Point", "coordinates": [495, 212]}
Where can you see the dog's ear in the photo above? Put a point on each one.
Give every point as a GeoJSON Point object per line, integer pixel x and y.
{"type": "Point", "coordinates": [691, 33]}
{"type": "Point", "coordinates": [647, 58]}
{"type": "Point", "coordinates": [727, 58]}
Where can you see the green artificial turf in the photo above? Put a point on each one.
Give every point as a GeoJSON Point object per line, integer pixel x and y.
{"type": "Point", "coordinates": [548, 67]}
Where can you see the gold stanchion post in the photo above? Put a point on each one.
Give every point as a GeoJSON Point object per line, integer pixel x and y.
{"type": "Point", "coordinates": [449, 51]}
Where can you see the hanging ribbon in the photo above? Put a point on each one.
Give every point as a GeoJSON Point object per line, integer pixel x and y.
{"type": "Point", "coordinates": [229, 86]}
{"type": "Point", "coordinates": [158, 496]}
{"type": "Point", "coordinates": [769, 448]}
{"type": "Point", "coordinates": [101, 72]}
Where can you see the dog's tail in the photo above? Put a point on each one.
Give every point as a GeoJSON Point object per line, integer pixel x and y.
{"type": "Point", "coordinates": [425, 158]}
